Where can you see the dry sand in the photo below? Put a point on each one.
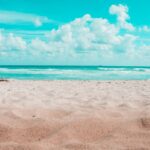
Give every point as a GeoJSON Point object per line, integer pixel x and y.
{"type": "Point", "coordinates": [75, 115]}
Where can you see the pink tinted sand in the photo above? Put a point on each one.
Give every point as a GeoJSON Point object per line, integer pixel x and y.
{"type": "Point", "coordinates": [75, 115]}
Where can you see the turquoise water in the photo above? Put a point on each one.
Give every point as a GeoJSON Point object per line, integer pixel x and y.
{"type": "Point", "coordinates": [74, 73]}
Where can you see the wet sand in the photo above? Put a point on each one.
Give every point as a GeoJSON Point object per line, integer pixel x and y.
{"type": "Point", "coordinates": [74, 115]}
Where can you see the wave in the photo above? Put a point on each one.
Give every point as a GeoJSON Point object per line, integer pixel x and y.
{"type": "Point", "coordinates": [90, 74]}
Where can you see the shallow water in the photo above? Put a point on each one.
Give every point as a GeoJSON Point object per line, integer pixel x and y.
{"type": "Point", "coordinates": [75, 72]}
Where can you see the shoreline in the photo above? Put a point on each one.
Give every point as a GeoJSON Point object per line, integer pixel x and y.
{"type": "Point", "coordinates": [93, 80]}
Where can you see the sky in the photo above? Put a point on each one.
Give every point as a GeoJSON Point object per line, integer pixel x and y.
{"type": "Point", "coordinates": [75, 32]}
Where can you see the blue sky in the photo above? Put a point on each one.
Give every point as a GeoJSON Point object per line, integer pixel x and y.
{"type": "Point", "coordinates": [75, 32]}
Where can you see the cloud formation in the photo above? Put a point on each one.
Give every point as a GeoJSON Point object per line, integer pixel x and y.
{"type": "Point", "coordinates": [13, 17]}
{"type": "Point", "coordinates": [122, 16]}
{"type": "Point", "coordinates": [85, 40]}
{"type": "Point", "coordinates": [144, 29]}
{"type": "Point", "coordinates": [10, 43]}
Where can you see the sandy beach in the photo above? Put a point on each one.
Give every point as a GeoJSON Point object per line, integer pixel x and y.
{"type": "Point", "coordinates": [74, 115]}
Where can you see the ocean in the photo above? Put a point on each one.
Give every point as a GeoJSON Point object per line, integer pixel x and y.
{"type": "Point", "coordinates": [75, 72]}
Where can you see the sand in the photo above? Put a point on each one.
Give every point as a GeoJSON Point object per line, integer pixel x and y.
{"type": "Point", "coordinates": [74, 115]}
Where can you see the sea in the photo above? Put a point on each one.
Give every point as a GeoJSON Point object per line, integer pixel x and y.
{"type": "Point", "coordinates": [75, 72]}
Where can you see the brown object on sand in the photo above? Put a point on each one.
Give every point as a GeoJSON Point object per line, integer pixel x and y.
{"type": "Point", "coordinates": [3, 80]}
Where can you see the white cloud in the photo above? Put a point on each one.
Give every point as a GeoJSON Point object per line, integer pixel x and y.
{"type": "Point", "coordinates": [11, 42]}
{"type": "Point", "coordinates": [13, 17]}
{"type": "Point", "coordinates": [122, 16]}
{"type": "Point", "coordinates": [89, 34]}
{"type": "Point", "coordinates": [144, 28]}
{"type": "Point", "coordinates": [86, 39]}
{"type": "Point", "coordinates": [37, 22]}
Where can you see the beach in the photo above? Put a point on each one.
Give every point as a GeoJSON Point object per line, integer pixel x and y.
{"type": "Point", "coordinates": [74, 115]}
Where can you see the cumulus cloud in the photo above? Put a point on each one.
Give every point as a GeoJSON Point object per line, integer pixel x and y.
{"type": "Point", "coordinates": [122, 16]}
{"type": "Point", "coordinates": [13, 17]}
{"type": "Point", "coordinates": [144, 28]}
{"type": "Point", "coordinates": [11, 42]}
{"type": "Point", "coordinates": [86, 39]}
{"type": "Point", "coordinates": [87, 35]}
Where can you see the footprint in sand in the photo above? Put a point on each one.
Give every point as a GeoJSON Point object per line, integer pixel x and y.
{"type": "Point", "coordinates": [145, 122]}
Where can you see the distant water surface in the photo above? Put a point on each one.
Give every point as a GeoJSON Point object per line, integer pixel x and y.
{"type": "Point", "coordinates": [75, 72]}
